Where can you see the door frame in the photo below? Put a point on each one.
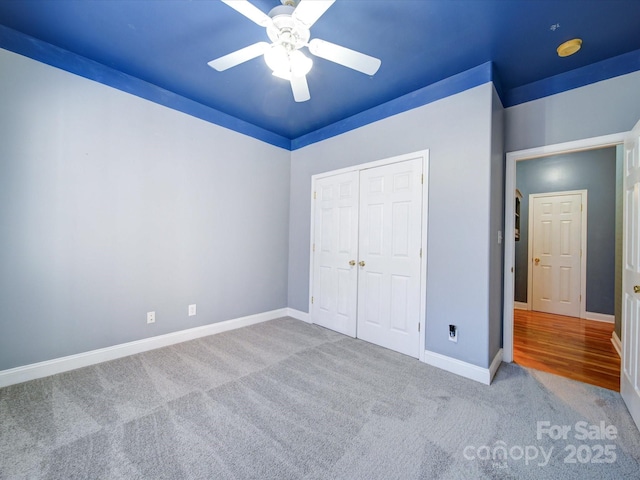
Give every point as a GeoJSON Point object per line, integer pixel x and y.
{"type": "Point", "coordinates": [583, 247]}
{"type": "Point", "coordinates": [509, 219]}
{"type": "Point", "coordinates": [424, 154]}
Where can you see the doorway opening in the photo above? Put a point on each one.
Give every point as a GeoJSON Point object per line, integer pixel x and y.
{"type": "Point", "coordinates": [519, 259]}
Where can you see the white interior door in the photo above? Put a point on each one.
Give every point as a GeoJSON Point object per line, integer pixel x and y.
{"type": "Point", "coordinates": [334, 250]}
{"type": "Point", "coordinates": [389, 256]}
{"type": "Point", "coordinates": [556, 243]}
{"type": "Point", "coordinates": [630, 368]}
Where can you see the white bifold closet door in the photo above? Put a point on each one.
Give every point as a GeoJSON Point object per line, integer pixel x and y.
{"type": "Point", "coordinates": [367, 247]}
{"type": "Point", "coordinates": [335, 250]}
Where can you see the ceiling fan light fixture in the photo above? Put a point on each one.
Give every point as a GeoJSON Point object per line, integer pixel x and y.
{"type": "Point", "coordinates": [285, 63]}
{"type": "Point", "coordinates": [288, 29]}
{"type": "Point", "coordinates": [277, 58]}
{"type": "Point", "coordinates": [300, 63]}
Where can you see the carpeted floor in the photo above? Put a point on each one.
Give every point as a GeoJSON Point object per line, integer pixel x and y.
{"type": "Point", "coordinates": [287, 400]}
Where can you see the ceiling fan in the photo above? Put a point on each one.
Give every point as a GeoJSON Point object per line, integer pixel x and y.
{"type": "Point", "coordinates": [288, 29]}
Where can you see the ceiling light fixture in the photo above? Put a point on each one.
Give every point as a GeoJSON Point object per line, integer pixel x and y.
{"type": "Point", "coordinates": [569, 47]}
{"type": "Point", "coordinates": [285, 62]}
{"type": "Point", "coordinates": [284, 57]}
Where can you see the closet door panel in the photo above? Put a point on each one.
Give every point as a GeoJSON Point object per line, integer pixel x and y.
{"type": "Point", "coordinates": [335, 217]}
{"type": "Point", "coordinates": [389, 256]}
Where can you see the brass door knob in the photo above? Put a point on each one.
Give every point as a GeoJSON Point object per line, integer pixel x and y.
{"type": "Point", "coordinates": [636, 289]}
{"type": "Point", "coordinates": [352, 263]}
{"type": "Point", "coordinates": [361, 263]}
{"type": "Point", "coordinates": [536, 260]}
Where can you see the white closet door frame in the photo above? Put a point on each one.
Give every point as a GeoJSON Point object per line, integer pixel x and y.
{"type": "Point", "coordinates": [424, 155]}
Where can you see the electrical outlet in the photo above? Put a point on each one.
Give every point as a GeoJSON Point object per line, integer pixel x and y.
{"type": "Point", "coordinates": [151, 317]}
{"type": "Point", "coordinates": [192, 310]}
{"type": "Point", "coordinates": [453, 333]}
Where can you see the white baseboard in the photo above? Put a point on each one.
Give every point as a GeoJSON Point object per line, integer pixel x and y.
{"type": "Point", "coordinates": [495, 365]}
{"type": "Point", "coordinates": [521, 306]}
{"type": "Point", "coordinates": [599, 317]}
{"type": "Point", "coordinates": [617, 344]}
{"type": "Point", "coordinates": [298, 315]}
{"type": "Point", "coordinates": [71, 362]}
{"type": "Point", "coordinates": [464, 369]}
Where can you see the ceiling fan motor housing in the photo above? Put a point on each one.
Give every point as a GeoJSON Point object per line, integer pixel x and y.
{"type": "Point", "coordinates": [285, 30]}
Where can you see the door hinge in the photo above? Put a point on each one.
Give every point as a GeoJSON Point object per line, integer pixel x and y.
{"type": "Point", "coordinates": [420, 253]}
{"type": "Point", "coordinates": [314, 195]}
{"type": "Point", "coordinates": [312, 300]}
{"type": "Point", "coordinates": [422, 179]}
{"type": "Point", "coordinates": [418, 327]}
{"type": "Point", "coordinates": [313, 249]}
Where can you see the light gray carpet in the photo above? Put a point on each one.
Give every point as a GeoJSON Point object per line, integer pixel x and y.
{"type": "Point", "coordinates": [287, 400]}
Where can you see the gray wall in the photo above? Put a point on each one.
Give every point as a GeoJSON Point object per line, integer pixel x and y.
{"type": "Point", "coordinates": [112, 206]}
{"type": "Point", "coordinates": [496, 230]}
{"type": "Point", "coordinates": [610, 106]}
{"type": "Point", "coordinates": [594, 171]}
{"type": "Point", "coordinates": [458, 132]}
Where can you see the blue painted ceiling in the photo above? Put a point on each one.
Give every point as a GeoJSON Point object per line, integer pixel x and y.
{"type": "Point", "coordinates": [169, 42]}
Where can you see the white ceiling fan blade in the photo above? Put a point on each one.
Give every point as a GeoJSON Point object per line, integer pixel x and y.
{"type": "Point", "coordinates": [309, 11]}
{"type": "Point", "coordinates": [300, 88]}
{"type": "Point", "coordinates": [344, 56]}
{"type": "Point", "coordinates": [250, 11]}
{"type": "Point", "coordinates": [239, 56]}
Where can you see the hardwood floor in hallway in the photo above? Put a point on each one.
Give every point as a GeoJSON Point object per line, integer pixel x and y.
{"type": "Point", "coordinates": [567, 346]}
